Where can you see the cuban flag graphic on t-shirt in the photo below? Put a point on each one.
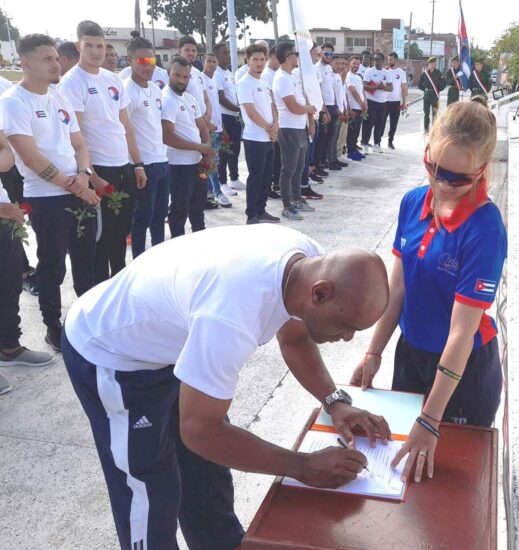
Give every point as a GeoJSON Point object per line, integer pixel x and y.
{"type": "Point", "coordinates": [41, 114]}
{"type": "Point", "coordinates": [64, 116]}
{"type": "Point", "coordinates": [92, 91]}
{"type": "Point", "coordinates": [160, 83]}
{"type": "Point", "coordinates": [485, 287]}
{"type": "Point", "coordinates": [114, 93]}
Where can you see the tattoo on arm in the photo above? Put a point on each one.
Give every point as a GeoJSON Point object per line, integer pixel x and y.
{"type": "Point", "coordinates": [49, 173]}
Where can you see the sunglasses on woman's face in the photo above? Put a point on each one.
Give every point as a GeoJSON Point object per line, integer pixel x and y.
{"type": "Point", "coordinates": [146, 61]}
{"type": "Point", "coordinates": [453, 179]}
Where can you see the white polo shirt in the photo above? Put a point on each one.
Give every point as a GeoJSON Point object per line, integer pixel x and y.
{"type": "Point", "coordinates": [286, 84]}
{"type": "Point", "coordinates": [182, 111]}
{"type": "Point", "coordinates": [398, 77]}
{"type": "Point", "coordinates": [50, 120]}
{"type": "Point", "coordinates": [191, 303]}
{"type": "Point", "coordinates": [196, 88]}
{"type": "Point", "coordinates": [144, 110]}
{"type": "Point", "coordinates": [255, 91]}
{"type": "Point", "coordinates": [353, 79]}
{"type": "Point", "coordinates": [326, 74]}
{"type": "Point", "coordinates": [212, 87]}
{"type": "Point", "coordinates": [227, 82]}
{"type": "Point", "coordinates": [160, 76]}
{"type": "Point", "coordinates": [377, 75]}
{"type": "Point", "coordinates": [100, 97]}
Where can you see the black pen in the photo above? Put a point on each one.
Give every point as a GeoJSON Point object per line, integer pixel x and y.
{"type": "Point", "coordinates": [344, 446]}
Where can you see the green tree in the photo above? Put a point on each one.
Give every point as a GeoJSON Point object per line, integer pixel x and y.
{"type": "Point", "coordinates": [416, 52]}
{"type": "Point", "coordinates": [188, 16]}
{"type": "Point", "coordinates": [508, 43]}
{"type": "Point", "coordinates": [4, 21]}
{"type": "Point", "coordinates": [479, 53]}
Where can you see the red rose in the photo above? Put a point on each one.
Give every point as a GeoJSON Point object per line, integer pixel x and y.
{"type": "Point", "coordinates": [26, 208]}
{"type": "Point", "coordinates": [108, 190]}
{"type": "Point", "coordinates": [99, 193]}
{"type": "Point", "coordinates": [204, 165]}
{"type": "Point", "coordinates": [226, 139]}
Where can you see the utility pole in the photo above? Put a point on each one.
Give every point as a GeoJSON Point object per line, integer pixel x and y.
{"type": "Point", "coordinates": [153, 23]}
{"type": "Point", "coordinates": [137, 16]}
{"type": "Point", "coordinates": [432, 29]}
{"type": "Point", "coordinates": [274, 9]}
{"type": "Point", "coordinates": [208, 26]}
{"type": "Point", "coordinates": [231, 19]}
{"type": "Point", "coordinates": [409, 45]}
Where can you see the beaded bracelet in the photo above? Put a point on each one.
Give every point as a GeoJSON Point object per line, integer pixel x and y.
{"type": "Point", "coordinates": [449, 373]}
{"type": "Point", "coordinates": [428, 426]}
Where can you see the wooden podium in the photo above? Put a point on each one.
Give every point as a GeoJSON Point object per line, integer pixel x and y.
{"type": "Point", "coordinates": [456, 510]}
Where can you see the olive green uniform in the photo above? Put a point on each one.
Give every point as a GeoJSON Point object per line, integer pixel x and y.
{"type": "Point", "coordinates": [453, 94]}
{"type": "Point", "coordinates": [474, 86]}
{"type": "Point", "coordinates": [430, 99]}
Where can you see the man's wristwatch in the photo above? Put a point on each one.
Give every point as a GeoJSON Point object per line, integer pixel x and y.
{"type": "Point", "coordinates": [87, 171]}
{"type": "Point", "coordinates": [139, 166]}
{"type": "Point", "coordinates": [337, 395]}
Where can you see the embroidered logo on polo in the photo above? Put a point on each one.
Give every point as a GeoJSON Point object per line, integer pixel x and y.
{"type": "Point", "coordinates": [114, 93]}
{"type": "Point", "coordinates": [486, 287]}
{"type": "Point", "coordinates": [143, 422]}
{"type": "Point", "coordinates": [92, 91]}
{"type": "Point", "coordinates": [159, 104]}
{"type": "Point", "coordinates": [448, 264]}
{"type": "Point", "coordinates": [160, 83]}
{"type": "Point", "coordinates": [64, 116]}
{"type": "Point", "coordinates": [41, 114]}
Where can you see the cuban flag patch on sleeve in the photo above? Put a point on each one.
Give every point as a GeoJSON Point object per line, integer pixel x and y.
{"type": "Point", "coordinates": [483, 286]}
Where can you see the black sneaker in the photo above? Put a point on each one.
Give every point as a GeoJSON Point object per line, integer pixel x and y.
{"type": "Point", "coordinates": [334, 167]}
{"type": "Point", "coordinates": [309, 193]}
{"type": "Point", "coordinates": [273, 195]}
{"type": "Point", "coordinates": [252, 221]}
{"type": "Point", "coordinates": [321, 173]}
{"type": "Point", "coordinates": [30, 283]}
{"type": "Point", "coordinates": [53, 338]}
{"type": "Point", "coordinates": [390, 145]}
{"type": "Point", "coordinates": [314, 177]}
{"type": "Point", "coordinates": [341, 164]}
{"type": "Point", "coordinates": [210, 204]}
{"type": "Point", "coordinates": [268, 218]}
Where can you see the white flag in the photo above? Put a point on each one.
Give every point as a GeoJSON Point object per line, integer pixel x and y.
{"type": "Point", "coordinates": [304, 44]}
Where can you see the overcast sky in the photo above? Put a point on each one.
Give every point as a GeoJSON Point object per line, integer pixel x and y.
{"type": "Point", "coordinates": [485, 21]}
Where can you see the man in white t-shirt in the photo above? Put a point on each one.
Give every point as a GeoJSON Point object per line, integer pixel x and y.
{"type": "Point", "coordinates": [53, 159]}
{"type": "Point", "coordinates": [144, 112]}
{"type": "Point", "coordinates": [68, 56]}
{"type": "Point", "coordinates": [397, 98]}
{"type": "Point", "coordinates": [377, 84]}
{"type": "Point", "coordinates": [366, 63]}
{"type": "Point", "coordinates": [160, 76]}
{"type": "Point", "coordinates": [187, 137]}
{"type": "Point", "coordinates": [231, 122]}
{"type": "Point", "coordinates": [259, 132]}
{"type": "Point", "coordinates": [99, 99]}
{"type": "Point", "coordinates": [358, 106]}
{"type": "Point", "coordinates": [11, 251]}
{"type": "Point", "coordinates": [213, 87]}
{"type": "Point", "coordinates": [296, 124]}
{"type": "Point", "coordinates": [154, 356]}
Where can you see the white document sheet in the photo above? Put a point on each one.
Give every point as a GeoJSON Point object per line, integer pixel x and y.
{"type": "Point", "coordinates": [379, 481]}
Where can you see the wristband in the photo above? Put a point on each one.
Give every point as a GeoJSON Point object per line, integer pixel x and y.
{"type": "Point", "coordinates": [139, 165]}
{"type": "Point", "coordinates": [427, 426]}
{"type": "Point", "coordinates": [449, 373]}
{"type": "Point", "coordinates": [431, 417]}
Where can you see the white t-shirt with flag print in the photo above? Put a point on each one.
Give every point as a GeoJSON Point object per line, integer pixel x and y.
{"type": "Point", "coordinates": [100, 97]}
{"type": "Point", "coordinates": [160, 76]}
{"type": "Point", "coordinates": [398, 78]}
{"type": "Point", "coordinates": [145, 113]}
{"type": "Point", "coordinates": [377, 75]}
{"type": "Point", "coordinates": [196, 88]}
{"type": "Point", "coordinates": [212, 87]}
{"type": "Point", "coordinates": [255, 90]}
{"type": "Point", "coordinates": [226, 80]}
{"type": "Point", "coordinates": [50, 120]}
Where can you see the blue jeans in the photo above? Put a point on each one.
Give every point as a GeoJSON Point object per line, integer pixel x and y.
{"type": "Point", "coordinates": [151, 207]}
{"type": "Point", "coordinates": [213, 181]}
{"type": "Point", "coordinates": [260, 157]}
{"type": "Point", "coordinates": [153, 479]}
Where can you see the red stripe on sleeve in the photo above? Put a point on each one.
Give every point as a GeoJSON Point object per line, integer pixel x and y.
{"type": "Point", "coordinates": [486, 329]}
{"type": "Point", "coordinates": [471, 302]}
{"type": "Point", "coordinates": [397, 253]}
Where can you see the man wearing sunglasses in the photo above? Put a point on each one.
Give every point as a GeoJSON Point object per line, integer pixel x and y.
{"type": "Point", "coordinates": [144, 111]}
{"type": "Point", "coordinates": [160, 76]}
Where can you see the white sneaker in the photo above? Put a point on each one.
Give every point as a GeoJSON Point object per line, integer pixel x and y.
{"type": "Point", "coordinates": [377, 149]}
{"type": "Point", "coordinates": [238, 185]}
{"type": "Point", "coordinates": [344, 158]}
{"type": "Point", "coordinates": [224, 201]}
{"type": "Point", "coordinates": [226, 190]}
{"type": "Point", "coordinates": [365, 149]}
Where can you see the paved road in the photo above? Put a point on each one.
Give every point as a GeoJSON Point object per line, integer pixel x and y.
{"type": "Point", "coordinates": [52, 492]}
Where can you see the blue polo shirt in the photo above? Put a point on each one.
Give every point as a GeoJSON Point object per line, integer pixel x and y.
{"type": "Point", "coordinates": [461, 262]}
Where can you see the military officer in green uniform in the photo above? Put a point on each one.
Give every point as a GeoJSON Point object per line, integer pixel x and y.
{"type": "Point", "coordinates": [453, 80]}
{"type": "Point", "coordinates": [480, 82]}
{"type": "Point", "coordinates": [431, 83]}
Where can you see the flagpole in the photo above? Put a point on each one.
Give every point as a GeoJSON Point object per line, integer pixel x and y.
{"type": "Point", "coordinates": [231, 20]}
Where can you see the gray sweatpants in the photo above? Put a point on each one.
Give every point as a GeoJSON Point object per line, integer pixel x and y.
{"type": "Point", "coordinates": [293, 144]}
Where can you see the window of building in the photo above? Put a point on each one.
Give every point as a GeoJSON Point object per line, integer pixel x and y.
{"type": "Point", "coordinates": [349, 41]}
{"type": "Point", "coordinates": [369, 42]}
{"type": "Point", "coordinates": [165, 57]}
{"type": "Point", "coordinates": [320, 40]}
{"type": "Point", "coordinates": [323, 39]}
{"type": "Point", "coordinates": [361, 42]}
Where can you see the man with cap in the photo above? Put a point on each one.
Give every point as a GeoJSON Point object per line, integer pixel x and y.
{"type": "Point", "coordinates": [479, 83]}
{"type": "Point", "coordinates": [453, 80]}
{"type": "Point", "coordinates": [431, 83]}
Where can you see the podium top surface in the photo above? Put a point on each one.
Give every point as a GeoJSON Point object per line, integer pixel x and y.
{"type": "Point", "coordinates": [455, 510]}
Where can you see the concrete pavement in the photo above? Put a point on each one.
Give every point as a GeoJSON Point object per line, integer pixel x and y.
{"type": "Point", "coordinates": [52, 491]}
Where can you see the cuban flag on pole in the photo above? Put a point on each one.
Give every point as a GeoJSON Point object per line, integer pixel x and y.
{"type": "Point", "coordinates": [464, 51]}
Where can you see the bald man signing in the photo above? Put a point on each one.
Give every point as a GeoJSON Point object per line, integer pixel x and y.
{"type": "Point", "coordinates": [154, 356]}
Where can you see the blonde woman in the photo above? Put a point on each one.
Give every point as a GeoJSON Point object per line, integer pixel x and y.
{"type": "Point", "coordinates": [450, 247]}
